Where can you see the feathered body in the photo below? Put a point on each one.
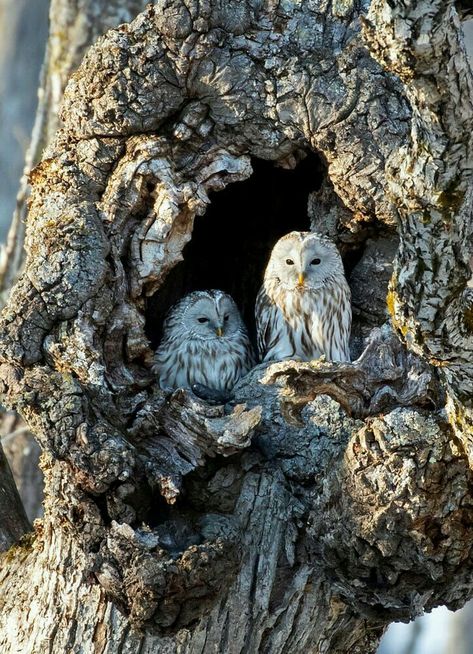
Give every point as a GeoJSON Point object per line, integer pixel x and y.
{"type": "Point", "coordinates": [303, 308]}
{"type": "Point", "coordinates": [204, 342]}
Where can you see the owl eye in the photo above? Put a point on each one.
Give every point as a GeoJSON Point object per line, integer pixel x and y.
{"type": "Point", "coordinates": [203, 319]}
{"type": "Point", "coordinates": [289, 262]}
{"type": "Point", "coordinates": [315, 262]}
{"type": "Point", "coordinates": [226, 318]}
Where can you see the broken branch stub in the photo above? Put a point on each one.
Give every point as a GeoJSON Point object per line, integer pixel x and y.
{"type": "Point", "coordinates": [370, 486]}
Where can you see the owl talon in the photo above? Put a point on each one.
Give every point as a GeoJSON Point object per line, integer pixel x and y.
{"type": "Point", "coordinates": [211, 395]}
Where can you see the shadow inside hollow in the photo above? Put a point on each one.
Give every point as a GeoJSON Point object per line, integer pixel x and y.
{"type": "Point", "coordinates": [232, 242]}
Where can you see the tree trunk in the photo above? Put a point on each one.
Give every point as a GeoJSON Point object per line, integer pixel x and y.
{"type": "Point", "coordinates": [324, 500]}
{"type": "Point", "coordinates": [74, 26]}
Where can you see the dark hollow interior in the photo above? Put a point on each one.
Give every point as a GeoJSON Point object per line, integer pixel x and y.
{"type": "Point", "coordinates": [232, 242]}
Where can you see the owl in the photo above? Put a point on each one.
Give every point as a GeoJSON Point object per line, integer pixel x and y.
{"type": "Point", "coordinates": [204, 342]}
{"type": "Point", "coordinates": [303, 308]}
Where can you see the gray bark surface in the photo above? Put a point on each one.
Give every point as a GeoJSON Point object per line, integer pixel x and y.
{"type": "Point", "coordinates": [74, 26]}
{"type": "Point", "coordinates": [325, 500]}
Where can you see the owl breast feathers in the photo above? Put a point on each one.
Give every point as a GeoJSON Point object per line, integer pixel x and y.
{"type": "Point", "coordinates": [303, 308]}
{"type": "Point", "coordinates": [204, 342]}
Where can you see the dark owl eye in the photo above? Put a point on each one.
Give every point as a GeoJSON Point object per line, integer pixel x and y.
{"type": "Point", "coordinates": [289, 262]}
{"type": "Point", "coordinates": [203, 319]}
{"type": "Point", "coordinates": [315, 262]}
{"type": "Point", "coordinates": [226, 318]}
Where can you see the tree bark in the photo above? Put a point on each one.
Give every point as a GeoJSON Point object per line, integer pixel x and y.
{"type": "Point", "coordinates": [74, 26]}
{"type": "Point", "coordinates": [324, 500]}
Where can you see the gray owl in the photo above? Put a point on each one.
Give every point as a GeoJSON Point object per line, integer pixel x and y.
{"type": "Point", "coordinates": [303, 308]}
{"type": "Point", "coordinates": [204, 342]}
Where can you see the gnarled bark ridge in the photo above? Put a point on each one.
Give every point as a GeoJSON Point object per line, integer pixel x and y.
{"type": "Point", "coordinates": [73, 26]}
{"type": "Point", "coordinates": [324, 500]}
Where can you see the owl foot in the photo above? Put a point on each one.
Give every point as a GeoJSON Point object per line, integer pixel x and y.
{"type": "Point", "coordinates": [211, 395]}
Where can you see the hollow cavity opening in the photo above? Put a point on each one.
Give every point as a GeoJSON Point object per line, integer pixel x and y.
{"type": "Point", "coordinates": [232, 242]}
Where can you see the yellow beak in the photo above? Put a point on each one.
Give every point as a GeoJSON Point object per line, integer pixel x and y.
{"type": "Point", "coordinates": [301, 279]}
{"type": "Point", "coordinates": [219, 331]}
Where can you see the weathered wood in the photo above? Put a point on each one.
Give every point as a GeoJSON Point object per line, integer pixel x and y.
{"type": "Point", "coordinates": [324, 500]}
{"type": "Point", "coordinates": [430, 300]}
{"type": "Point", "coordinates": [73, 26]}
{"type": "Point", "coordinates": [465, 9]}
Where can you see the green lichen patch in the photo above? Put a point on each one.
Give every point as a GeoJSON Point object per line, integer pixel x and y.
{"type": "Point", "coordinates": [450, 200]}
{"type": "Point", "coordinates": [19, 550]}
{"type": "Point", "coordinates": [468, 318]}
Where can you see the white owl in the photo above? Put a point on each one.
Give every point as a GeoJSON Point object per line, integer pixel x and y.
{"type": "Point", "coordinates": [303, 308]}
{"type": "Point", "coordinates": [204, 342]}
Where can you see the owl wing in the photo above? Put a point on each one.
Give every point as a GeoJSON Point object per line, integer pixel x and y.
{"type": "Point", "coordinates": [266, 316]}
{"type": "Point", "coordinates": [340, 320]}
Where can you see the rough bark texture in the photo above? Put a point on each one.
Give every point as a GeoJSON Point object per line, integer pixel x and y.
{"type": "Point", "coordinates": [324, 500]}
{"type": "Point", "coordinates": [465, 9]}
{"type": "Point", "coordinates": [74, 26]}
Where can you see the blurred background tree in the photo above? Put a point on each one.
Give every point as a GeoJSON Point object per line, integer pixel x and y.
{"type": "Point", "coordinates": [24, 29]}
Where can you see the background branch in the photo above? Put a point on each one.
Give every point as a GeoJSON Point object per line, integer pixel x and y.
{"type": "Point", "coordinates": [13, 521]}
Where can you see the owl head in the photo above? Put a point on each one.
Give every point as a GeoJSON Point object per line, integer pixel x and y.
{"type": "Point", "coordinates": [206, 315]}
{"type": "Point", "coordinates": [304, 260]}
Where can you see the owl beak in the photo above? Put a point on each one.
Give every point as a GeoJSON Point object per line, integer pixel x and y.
{"type": "Point", "coordinates": [219, 331]}
{"type": "Point", "coordinates": [301, 279]}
